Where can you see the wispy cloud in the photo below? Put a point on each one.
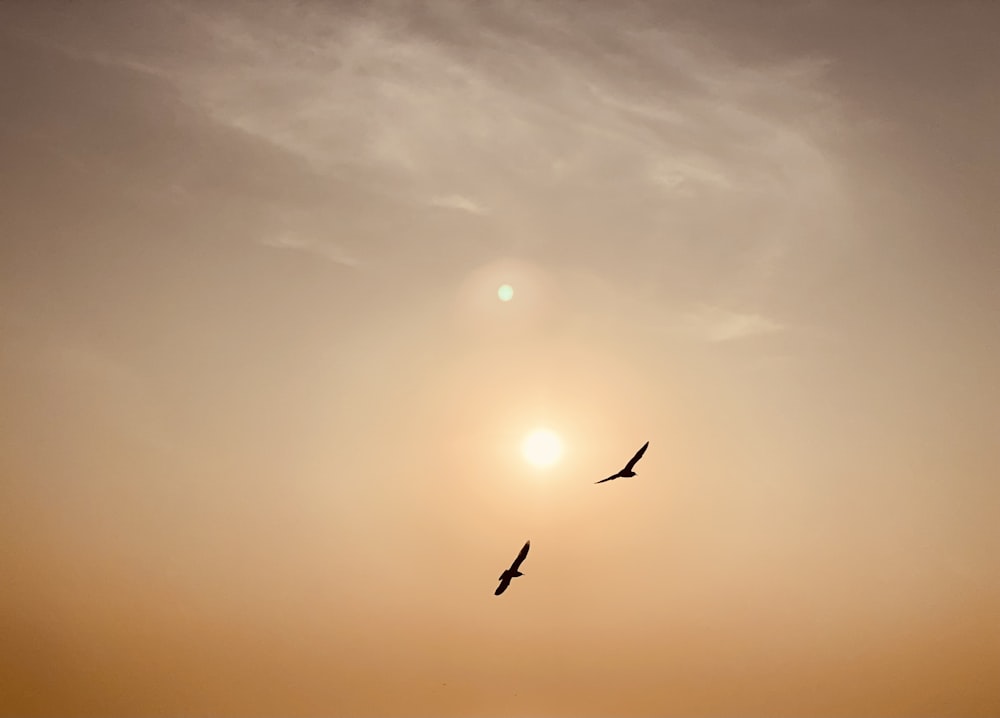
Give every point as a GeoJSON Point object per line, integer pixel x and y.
{"type": "Point", "coordinates": [515, 102]}
{"type": "Point", "coordinates": [567, 119]}
{"type": "Point", "coordinates": [458, 202]}
{"type": "Point", "coordinates": [327, 250]}
{"type": "Point", "coordinates": [716, 324]}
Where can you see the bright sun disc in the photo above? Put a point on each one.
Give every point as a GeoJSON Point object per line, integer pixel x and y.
{"type": "Point", "coordinates": [541, 448]}
{"type": "Point", "coordinates": [505, 293]}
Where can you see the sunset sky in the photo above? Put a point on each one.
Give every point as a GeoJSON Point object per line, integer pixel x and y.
{"type": "Point", "coordinates": [262, 409]}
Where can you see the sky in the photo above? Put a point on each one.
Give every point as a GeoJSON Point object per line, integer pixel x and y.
{"type": "Point", "coordinates": [262, 414]}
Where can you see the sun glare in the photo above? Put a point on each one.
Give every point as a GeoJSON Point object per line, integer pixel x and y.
{"type": "Point", "coordinates": [541, 448]}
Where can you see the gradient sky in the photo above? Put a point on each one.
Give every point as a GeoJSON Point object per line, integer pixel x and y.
{"type": "Point", "coordinates": [261, 409]}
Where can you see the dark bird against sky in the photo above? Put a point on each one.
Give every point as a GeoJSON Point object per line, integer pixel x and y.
{"type": "Point", "coordinates": [627, 471]}
{"type": "Point", "coordinates": [512, 572]}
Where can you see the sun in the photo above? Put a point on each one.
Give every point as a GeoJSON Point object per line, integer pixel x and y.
{"type": "Point", "coordinates": [541, 448]}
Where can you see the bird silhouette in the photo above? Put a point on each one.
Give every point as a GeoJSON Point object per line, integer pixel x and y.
{"type": "Point", "coordinates": [512, 572]}
{"type": "Point", "coordinates": [627, 471]}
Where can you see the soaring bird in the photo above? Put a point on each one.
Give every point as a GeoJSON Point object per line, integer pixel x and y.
{"type": "Point", "coordinates": [512, 572]}
{"type": "Point", "coordinates": [627, 471]}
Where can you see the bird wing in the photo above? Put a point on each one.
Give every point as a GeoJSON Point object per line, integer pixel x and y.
{"type": "Point", "coordinates": [607, 479]}
{"type": "Point", "coordinates": [504, 583]}
{"type": "Point", "coordinates": [638, 455]}
{"type": "Point", "coordinates": [520, 556]}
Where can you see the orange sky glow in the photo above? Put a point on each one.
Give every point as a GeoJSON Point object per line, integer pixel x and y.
{"type": "Point", "coordinates": [286, 287]}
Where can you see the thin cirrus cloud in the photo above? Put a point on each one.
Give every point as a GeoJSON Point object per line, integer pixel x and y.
{"type": "Point", "coordinates": [716, 324]}
{"type": "Point", "coordinates": [625, 130]}
{"type": "Point", "coordinates": [327, 250]}
{"type": "Point", "coordinates": [554, 122]}
{"type": "Point", "coordinates": [458, 202]}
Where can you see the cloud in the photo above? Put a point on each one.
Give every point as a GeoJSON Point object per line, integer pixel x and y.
{"type": "Point", "coordinates": [716, 324]}
{"type": "Point", "coordinates": [327, 250]}
{"type": "Point", "coordinates": [628, 122]}
{"type": "Point", "coordinates": [570, 122]}
{"type": "Point", "coordinates": [457, 201]}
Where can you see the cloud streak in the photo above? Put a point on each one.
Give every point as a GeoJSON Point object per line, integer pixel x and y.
{"type": "Point", "coordinates": [716, 324]}
{"type": "Point", "coordinates": [649, 127]}
{"type": "Point", "coordinates": [458, 202]}
{"type": "Point", "coordinates": [327, 250]}
{"type": "Point", "coordinates": [559, 124]}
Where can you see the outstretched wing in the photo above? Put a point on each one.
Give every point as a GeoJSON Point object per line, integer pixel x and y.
{"type": "Point", "coordinates": [520, 557]}
{"type": "Point", "coordinates": [607, 479]}
{"type": "Point", "coordinates": [638, 455]}
{"type": "Point", "coordinates": [504, 583]}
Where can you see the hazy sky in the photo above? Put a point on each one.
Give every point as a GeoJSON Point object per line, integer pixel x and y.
{"type": "Point", "coordinates": [262, 411]}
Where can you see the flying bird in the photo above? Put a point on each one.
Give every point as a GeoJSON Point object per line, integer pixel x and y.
{"type": "Point", "coordinates": [512, 572]}
{"type": "Point", "coordinates": [627, 471]}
